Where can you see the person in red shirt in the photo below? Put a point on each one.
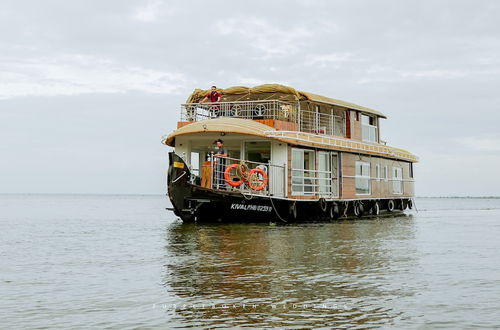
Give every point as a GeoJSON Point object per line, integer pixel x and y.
{"type": "Point", "coordinates": [214, 97]}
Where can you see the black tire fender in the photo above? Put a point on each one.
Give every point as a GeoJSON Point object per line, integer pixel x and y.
{"type": "Point", "coordinates": [323, 205]}
{"type": "Point", "coordinates": [390, 205]}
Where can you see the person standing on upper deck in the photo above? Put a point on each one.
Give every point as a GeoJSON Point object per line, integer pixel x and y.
{"type": "Point", "coordinates": [214, 97]}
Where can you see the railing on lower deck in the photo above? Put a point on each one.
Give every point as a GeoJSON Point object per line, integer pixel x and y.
{"type": "Point", "coordinates": [314, 183]}
{"type": "Point", "coordinates": [213, 176]}
{"type": "Point", "coordinates": [260, 109]}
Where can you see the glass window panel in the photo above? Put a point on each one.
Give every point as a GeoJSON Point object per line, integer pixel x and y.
{"type": "Point", "coordinates": [334, 165]}
{"type": "Point", "coordinates": [258, 151]}
{"type": "Point", "coordinates": [362, 178]}
{"type": "Point", "coordinates": [365, 119]}
{"type": "Point", "coordinates": [397, 183]}
{"type": "Point", "coordinates": [297, 159]}
{"type": "Point", "coordinates": [325, 174]}
{"type": "Point", "coordinates": [362, 186]}
{"type": "Point", "coordinates": [358, 169]}
{"type": "Point", "coordinates": [303, 175]}
{"type": "Point", "coordinates": [309, 160]}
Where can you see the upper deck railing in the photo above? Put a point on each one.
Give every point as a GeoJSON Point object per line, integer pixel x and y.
{"type": "Point", "coordinates": [321, 123]}
{"type": "Point", "coordinates": [308, 121]}
{"type": "Point", "coordinates": [260, 109]}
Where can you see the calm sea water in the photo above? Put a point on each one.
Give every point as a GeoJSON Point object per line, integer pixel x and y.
{"type": "Point", "coordinates": [126, 262]}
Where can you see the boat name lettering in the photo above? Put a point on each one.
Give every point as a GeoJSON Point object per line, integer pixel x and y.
{"type": "Point", "coordinates": [258, 208]}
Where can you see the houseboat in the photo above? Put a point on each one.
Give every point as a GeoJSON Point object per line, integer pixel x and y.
{"type": "Point", "coordinates": [276, 154]}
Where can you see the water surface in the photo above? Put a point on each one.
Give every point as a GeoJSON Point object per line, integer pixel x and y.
{"type": "Point", "coordinates": [125, 262]}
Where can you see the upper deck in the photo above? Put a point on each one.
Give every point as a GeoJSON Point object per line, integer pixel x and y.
{"type": "Point", "coordinates": [279, 114]}
{"type": "Point", "coordinates": [285, 108]}
{"type": "Point", "coordinates": [288, 111]}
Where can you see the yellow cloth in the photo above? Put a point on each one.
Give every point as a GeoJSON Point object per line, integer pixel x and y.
{"type": "Point", "coordinates": [206, 174]}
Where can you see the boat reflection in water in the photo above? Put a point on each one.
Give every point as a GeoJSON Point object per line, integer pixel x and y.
{"type": "Point", "coordinates": [349, 272]}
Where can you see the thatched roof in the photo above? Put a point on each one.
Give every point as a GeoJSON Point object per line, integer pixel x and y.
{"type": "Point", "coordinates": [276, 91]}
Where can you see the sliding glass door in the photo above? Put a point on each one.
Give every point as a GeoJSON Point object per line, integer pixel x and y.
{"type": "Point", "coordinates": [303, 173]}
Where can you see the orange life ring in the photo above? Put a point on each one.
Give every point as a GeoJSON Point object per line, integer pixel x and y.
{"type": "Point", "coordinates": [227, 176]}
{"type": "Point", "coordinates": [262, 184]}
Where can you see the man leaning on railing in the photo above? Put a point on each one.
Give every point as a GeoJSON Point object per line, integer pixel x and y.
{"type": "Point", "coordinates": [214, 97]}
{"type": "Point", "coordinates": [220, 163]}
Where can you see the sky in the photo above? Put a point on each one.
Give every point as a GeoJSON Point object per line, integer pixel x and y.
{"type": "Point", "coordinates": [88, 88]}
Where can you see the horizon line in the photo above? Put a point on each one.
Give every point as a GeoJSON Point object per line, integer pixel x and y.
{"type": "Point", "coordinates": [165, 194]}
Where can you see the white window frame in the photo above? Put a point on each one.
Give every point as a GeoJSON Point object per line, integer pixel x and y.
{"type": "Point", "coordinates": [303, 178]}
{"type": "Point", "coordinates": [325, 181]}
{"type": "Point", "coordinates": [364, 177]}
{"type": "Point", "coordinates": [397, 180]}
{"type": "Point", "coordinates": [386, 173]}
{"type": "Point", "coordinates": [369, 129]}
{"type": "Point", "coordinates": [377, 172]}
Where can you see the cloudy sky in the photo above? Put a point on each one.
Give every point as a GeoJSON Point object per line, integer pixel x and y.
{"type": "Point", "coordinates": [88, 88]}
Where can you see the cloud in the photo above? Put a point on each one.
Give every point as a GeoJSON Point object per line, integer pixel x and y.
{"type": "Point", "coordinates": [74, 74]}
{"type": "Point", "coordinates": [151, 12]}
{"type": "Point", "coordinates": [332, 59]}
{"type": "Point", "coordinates": [312, 3]}
{"type": "Point", "coordinates": [272, 41]}
{"type": "Point", "coordinates": [250, 81]}
{"type": "Point", "coordinates": [388, 74]}
{"type": "Point", "coordinates": [479, 143]}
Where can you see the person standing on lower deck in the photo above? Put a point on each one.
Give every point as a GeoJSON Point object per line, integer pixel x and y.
{"type": "Point", "coordinates": [219, 165]}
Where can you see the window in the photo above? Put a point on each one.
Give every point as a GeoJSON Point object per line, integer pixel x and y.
{"type": "Point", "coordinates": [327, 173]}
{"type": "Point", "coordinates": [338, 126]}
{"type": "Point", "coordinates": [195, 163]}
{"type": "Point", "coordinates": [259, 152]}
{"type": "Point", "coordinates": [377, 172]}
{"type": "Point", "coordinates": [303, 174]}
{"type": "Point", "coordinates": [368, 128]}
{"type": "Point", "coordinates": [324, 172]}
{"type": "Point", "coordinates": [386, 173]}
{"type": "Point", "coordinates": [411, 170]}
{"type": "Point", "coordinates": [363, 185]}
{"type": "Point", "coordinates": [397, 180]}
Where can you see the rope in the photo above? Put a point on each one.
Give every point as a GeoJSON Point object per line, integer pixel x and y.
{"type": "Point", "coordinates": [272, 203]}
{"type": "Point", "coordinates": [276, 211]}
{"type": "Point", "coordinates": [245, 197]}
{"type": "Point", "coordinates": [346, 205]}
{"type": "Point", "coordinates": [414, 204]}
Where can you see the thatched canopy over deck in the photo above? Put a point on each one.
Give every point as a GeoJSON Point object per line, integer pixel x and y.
{"type": "Point", "coordinates": [277, 92]}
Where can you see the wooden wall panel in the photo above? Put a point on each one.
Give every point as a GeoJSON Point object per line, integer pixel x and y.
{"type": "Point", "coordinates": [355, 125]}
{"type": "Point", "coordinates": [183, 123]}
{"type": "Point", "coordinates": [348, 170]}
{"type": "Point", "coordinates": [379, 188]}
{"type": "Point", "coordinates": [280, 125]}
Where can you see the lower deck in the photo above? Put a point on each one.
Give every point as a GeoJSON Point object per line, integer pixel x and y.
{"type": "Point", "coordinates": [196, 203]}
{"type": "Point", "coordinates": [262, 167]}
